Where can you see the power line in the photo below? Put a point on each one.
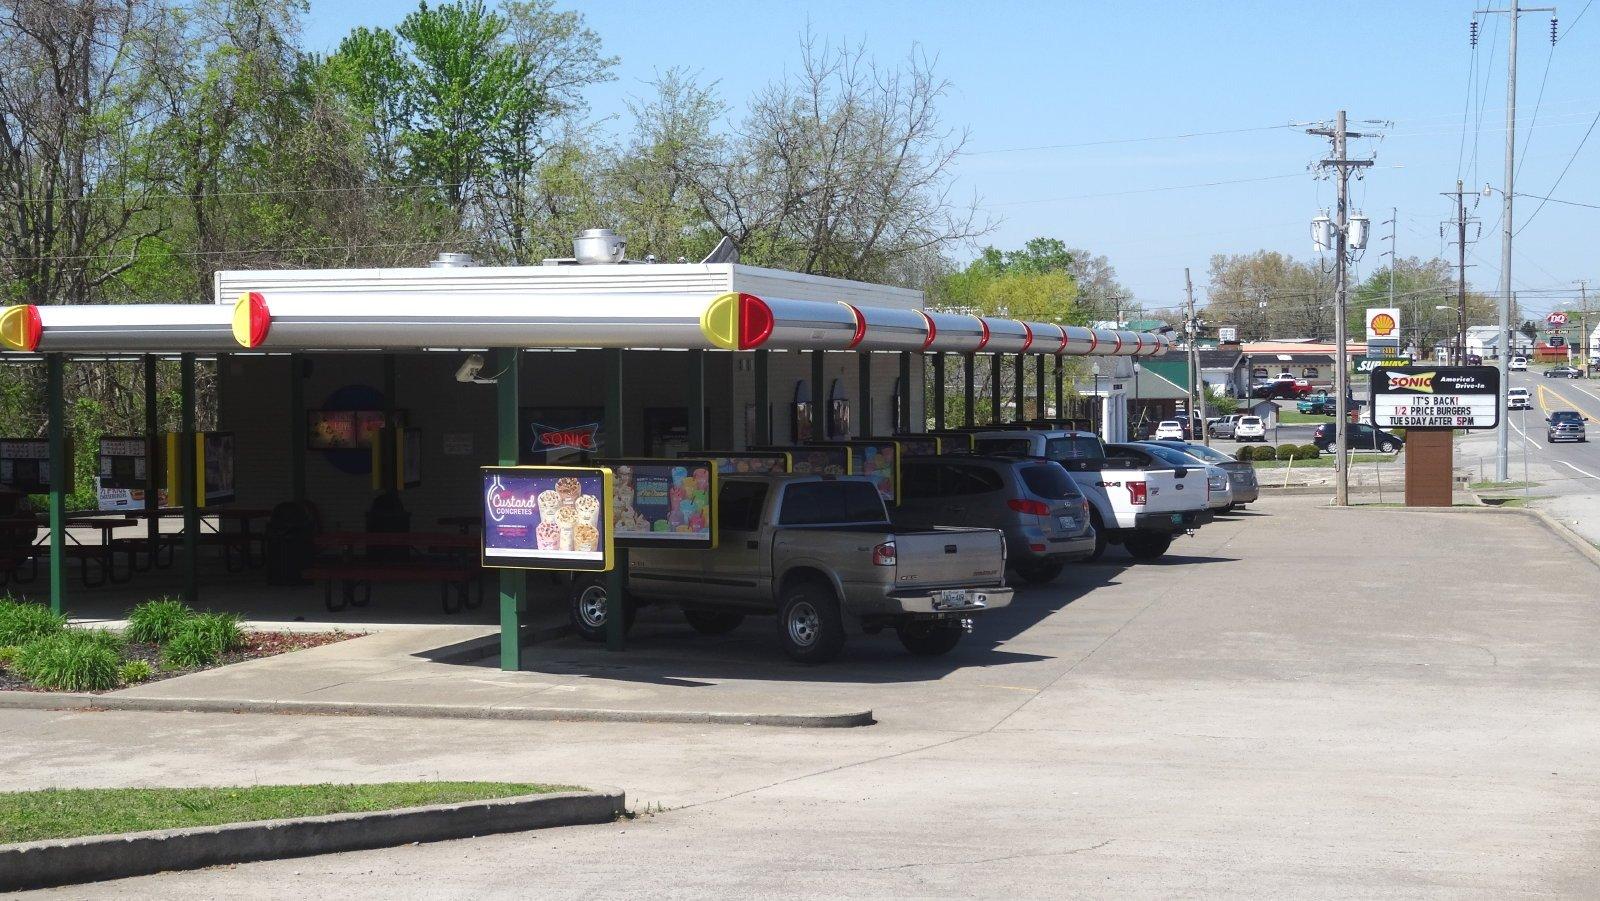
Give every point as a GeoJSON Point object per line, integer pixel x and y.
{"type": "Point", "coordinates": [1570, 161]}
{"type": "Point", "coordinates": [1544, 199]}
{"type": "Point", "coordinates": [1109, 141]}
{"type": "Point", "coordinates": [1208, 184]}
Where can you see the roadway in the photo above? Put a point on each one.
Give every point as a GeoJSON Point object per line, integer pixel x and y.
{"type": "Point", "coordinates": [1568, 468]}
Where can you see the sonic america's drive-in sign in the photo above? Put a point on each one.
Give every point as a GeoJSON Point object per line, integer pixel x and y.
{"type": "Point", "coordinates": [1442, 397]}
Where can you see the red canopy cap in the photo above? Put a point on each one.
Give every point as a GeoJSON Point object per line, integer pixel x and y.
{"type": "Point", "coordinates": [20, 327]}
{"type": "Point", "coordinates": [251, 319]}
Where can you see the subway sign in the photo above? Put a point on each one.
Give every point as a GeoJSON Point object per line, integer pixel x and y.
{"type": "Point", "coordinates": [1442, 397]}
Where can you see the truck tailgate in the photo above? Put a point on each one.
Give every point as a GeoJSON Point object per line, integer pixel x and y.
{"type": "Point", "coordinates": [934, 558]}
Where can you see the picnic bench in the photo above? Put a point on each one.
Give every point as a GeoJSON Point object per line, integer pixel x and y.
{"type": "Point", "coordinates": [447, 558]}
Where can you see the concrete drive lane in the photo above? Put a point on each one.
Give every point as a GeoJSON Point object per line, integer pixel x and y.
{"type": "Point", "coordinates": [1305, 702]}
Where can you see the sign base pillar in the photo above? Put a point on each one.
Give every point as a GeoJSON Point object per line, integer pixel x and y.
{"type": "Point", "coordinates": [1430, 467]}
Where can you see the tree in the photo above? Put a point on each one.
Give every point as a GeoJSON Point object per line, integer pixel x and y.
{"type": "Point", "coordinates": [1267, 294]}
{"type": "Point", "coordinates": [1419, 287]}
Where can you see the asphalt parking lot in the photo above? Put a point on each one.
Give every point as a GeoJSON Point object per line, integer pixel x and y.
{"type": "Point", "coordinates": [1298, 702]}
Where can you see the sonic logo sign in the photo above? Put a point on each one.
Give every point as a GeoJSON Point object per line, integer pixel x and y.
{"type": "Point", "coordinates": [1442, 397]}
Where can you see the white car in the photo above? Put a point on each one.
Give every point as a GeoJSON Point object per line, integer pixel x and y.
{"type": "Point", "coordinates": [1518, 364]}
{"type": "Point", "coordinates": [1517, 399]}
{"type": "Point", "coordinates": [1169, 428]}
{"type": "Point", "coordinates": [1250, 428]}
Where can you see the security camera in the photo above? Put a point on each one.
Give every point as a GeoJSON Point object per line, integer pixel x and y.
{"type": "Point", "coordinates": [470, 367]}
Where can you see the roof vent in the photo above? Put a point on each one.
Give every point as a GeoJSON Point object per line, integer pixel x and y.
{"type": "Point", "coordinates": [452, 261]}
{"type": "Point", "coordinates": [597, 246]}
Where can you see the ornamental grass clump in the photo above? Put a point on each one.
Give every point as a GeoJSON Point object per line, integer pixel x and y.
{"type": "Point", "coordinates": [69, 661]}
{"type": "Point", "coordinates": [154, 622]}
{"type": "Point", "coordinates": [202, 640]}
{"type": "Point", "coordinates": [132, 672]}
{"type": "Point", "coordinates": [22, 622]}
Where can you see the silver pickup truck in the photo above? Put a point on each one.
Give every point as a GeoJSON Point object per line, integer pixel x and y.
{"type": "Point", "coordinates": [819, 552]}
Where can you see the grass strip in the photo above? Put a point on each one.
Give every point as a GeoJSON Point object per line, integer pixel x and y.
{"type": "Point", "coordinates": [68, 813]}
{"type": "Point", "coordinates": [1326, 461]}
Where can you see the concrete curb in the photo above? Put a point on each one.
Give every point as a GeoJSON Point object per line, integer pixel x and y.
{"type": "Point", "coordinates": [95, 858]}
{"type": "Point", "coordinates": [52, 700]}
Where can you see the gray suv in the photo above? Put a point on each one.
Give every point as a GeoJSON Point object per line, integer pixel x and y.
{"type": "Point", "coordinates": [1034, 502]}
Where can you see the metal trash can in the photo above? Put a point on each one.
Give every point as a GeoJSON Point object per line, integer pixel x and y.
{"type": "Point", "coordinates": [290, 550]}
{"type": "Point", "coordinates": [388, 514]}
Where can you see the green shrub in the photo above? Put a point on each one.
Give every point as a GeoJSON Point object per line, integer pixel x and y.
{"type": "Point", "coordinates": [220, 629]}
{"type": "Point", "coordinates": [1289, 452]}
{"type": "Point", "coordinates": [1245, 454]}
{"type": "Point", "coordinates": [69, 661]}
{"type": "Point", "coordinates": [8, 655]}
{"type": "Point", "coordinates": [156, 621]}
{"type": "Point", "coordinates": [1307, 452]}
{"type": "Point", "coordinates": [189, 649]}
{"type": "Point", "coordinates": [132, 672]}
{"type": "Point", "coordinates": [1264, 452]}
{"type": "Point", "coordinates": [23, 621]}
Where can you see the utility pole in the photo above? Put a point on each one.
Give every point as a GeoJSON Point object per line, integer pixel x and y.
{"type": "Point", "coordinates": [1460, 356]}
{"type": "Point", "coordinates": [1342, 166]}
{"type": "Point", "coordinates": [1503, 432]}
{"type": "Point", "coordinates": [1583, 322]}
{"type": "Point", "coordinates": [1196, 394]}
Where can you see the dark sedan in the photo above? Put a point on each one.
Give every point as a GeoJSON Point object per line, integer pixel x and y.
{"type": "Point", "coordinates": [1563, 372]}
{"type": "Point", "coordinates": [1357, 436]}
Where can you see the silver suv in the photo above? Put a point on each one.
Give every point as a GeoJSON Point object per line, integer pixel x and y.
{"type": "Point", "coordinates": [1044, 517]}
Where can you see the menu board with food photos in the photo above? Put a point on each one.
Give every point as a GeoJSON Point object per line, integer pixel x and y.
{"type": "Point", "coordinates": [25, 465]}
{"type": "Point", "coordinates": [548, 517]}
{"type": "Point", "coordinates": [124, 462]}
{"type": "Point", "coordinates": [816, 459]}
{"type": "Point", "coordinates": [760, 463]}
{"type": "Point", "coordinates": [878, 459]}
{"type": "Point", "coordinates": [664, 503]}
{"type": "Point", "coordinates": [917, 445]}
{"type": "Point", "coordinates": [954, 442]}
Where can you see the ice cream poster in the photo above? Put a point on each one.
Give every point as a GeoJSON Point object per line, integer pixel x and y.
{"type": "Point", "coordinates": [817, 459]}
{"type": "Point", "coordinates": [879, 461]}
{"type": "Point", "coordinates": [664, 502]}
{"type": "Point", "coordinates": [547, 517]}
{"type": "Point", "coordinates": [774, 463]}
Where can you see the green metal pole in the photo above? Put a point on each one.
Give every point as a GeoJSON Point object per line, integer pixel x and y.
{"type": "Point", "coordinates": [938, 392]}
{"type": "Point", "coordinates": [996, 412]}
{"type": "Point", "coordinates": [697, 400]}
{"type": "Point", "coordinates": [819, 396]}
{"type": "Point", "coordinates": [1020, 389]}
{"type": "Point", "coordinates": [864, 389]}
{"type": "Point", "coordinates": [513, 582]}
{"type": "Point", "coordinates": [389, 439]}
{"type": "Point", "coordinates": [617, 579]}
{"type": "Point", "coordinates": [763, 402]}
{"type": "Point", "coordinates": [1059, 389]}
{"type": "Point", "coordinates": [1038, 386]}
{"type": "Point", "coordinates": [187, 481]}
{"type": "Point", "coordinates": [152, 473]}
{"type": "Point", "coordinates": [55, 401]}
{"type": "Point", "coordinates": [297, 428]}
{"type": "Point", "coordinates": [969, 389]}
{"type": "Point", "coordinates": [904, 425]}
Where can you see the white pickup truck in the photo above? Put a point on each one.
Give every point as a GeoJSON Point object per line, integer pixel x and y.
{"type": "Point", "coordinates": [1138, 507]}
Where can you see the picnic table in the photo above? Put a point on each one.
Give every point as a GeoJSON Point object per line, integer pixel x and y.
{"type": "Point", "coordinates": [448, 558]}
{"type": "Point", "coordinates": [242, 547]}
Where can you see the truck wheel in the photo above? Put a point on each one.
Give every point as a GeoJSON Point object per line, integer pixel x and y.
{"type": "Point", "coordinates": [1099, 535]}
{"type": "Point", "coordinates": [1145, 546]}
{"type": "Point", "coordinates": [587, 609]}
{"type": "Point", "coordinates": [1039, 573]}
{"type": "Point", "coordinates": [712, 622]}
{"type": "Point", "coordinates": [929, 639]}
{"type": "Point", "coordinates": [810, 624]}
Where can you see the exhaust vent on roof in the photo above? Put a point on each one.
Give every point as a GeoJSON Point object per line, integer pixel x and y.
{"type": "Point", "coordinates": [595, 246]}
{"type": "Point", "coordinates": [452, 261]}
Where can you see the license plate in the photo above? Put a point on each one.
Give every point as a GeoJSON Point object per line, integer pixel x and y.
{"type": "Point", "coordinates": [954, 597]}
{"type": "Point", "coordinates": [1177, 519]}
{"type": "Point", "coordinates": [1066, 522]}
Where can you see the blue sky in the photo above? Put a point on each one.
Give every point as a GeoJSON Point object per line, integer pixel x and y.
{"type": "Point", "coordinates": [1030, 74]}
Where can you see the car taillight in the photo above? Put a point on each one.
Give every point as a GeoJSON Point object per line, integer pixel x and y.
{"type": "Point", "coordinates": [883, 554]}
{"type": "Point", "coordinates": [1022, 505]}
{"type": "Point", "coordinates": [1083, 507]}
{"type": "Point", "coordinates": [1137, 492]}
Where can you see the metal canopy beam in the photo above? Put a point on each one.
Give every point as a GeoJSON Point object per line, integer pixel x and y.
{"type": "Point", "coordinates": [59, 477]}
{"type": "Point", "coordinates": [187, 483]}
{"type": "Point", "coordinates": [617, 578]}
{"type": "Point", "coordinates": [969, 390]}
{"type": "Point", "coordinates": [864, 390]}
{"type": "Point", "coordinates": [513, 582]}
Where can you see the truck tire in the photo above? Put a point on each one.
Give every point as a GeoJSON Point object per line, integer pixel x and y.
{"type": "Point", "coordinates": [586, 608]}
{"type": "Point", "coordinates": [1147, 546]}
{"type": "Point", "coordinates": [1099, 535]}
{"type": "Point", "coordinates": [712, 622]}
{"type": "Point", "coordinates": [810, 625]}
{"type": "Point", "coordinates": [929, 639]}
{"type": "Point", "coordinates": [1040, 572]}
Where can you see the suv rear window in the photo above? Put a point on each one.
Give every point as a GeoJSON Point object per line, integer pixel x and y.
{"type": "Point", "coordinates": [1021, 447]}
{"type": "Point", "coordinates": [820, 503]}
{"type": "Point", "coordinates": [1074, 448]}
{"type": "Point", "coordinates": [1049, 481]}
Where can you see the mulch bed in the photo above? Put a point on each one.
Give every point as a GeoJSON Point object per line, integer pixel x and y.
{"type": "Point", "coordinates": [256, 645]}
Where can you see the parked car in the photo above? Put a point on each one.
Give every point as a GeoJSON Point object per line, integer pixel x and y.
{"type": "Point", "coordinates": [1140, 508]}
{"type": "Point", "coordinates": [1563, 372]}
{"type": "Point", "coordinates": [1250, 428]}
{"type": "Point", "coordinates": [1517, 364]}
{"type": "Point", "coordinates": [1219, 495]}
{"type": "Point", "coordinates": [1044, 517]}
{"type": "Point", "coordinates": [1357, 436]}
{"type": "Point", "coordinates": [1223, 426]}
{"type": "Point", "coordinates": [1321, 403]}
{"type": "Point", "coordinates": [1289, 388]}
{"type": "Point", "coordinates": [1565, 425]}
{"type": "Point", "coordinates": [817, 551]}
{"type": "Point", "coordinates": [1241, 474]}
{"type": "Point", "coordinates": [1517, 399]}
{"type": "Point", "coordinates": [1169, 428]}
{"type": "Point", "coordinates": [1474, 360]}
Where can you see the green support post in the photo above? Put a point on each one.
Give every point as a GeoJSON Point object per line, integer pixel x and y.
{"type": "Point", "coordinates": [969, 390]}
{"type": "Point", "coordinates": [997, 413]}
{"type": "Point", "coordinates": [297, 428]}
{"type": "Point", "coordinates": [1060, 409]}
{"type": "Point", "coordinates": [938, 392]}
{"type": "Point", "coordinates": [864, 389]}
{"type": "Point", "coordinates": [697, 400]}
{"type": "Point", "coordinates": [186, 484]}
{"type": "Point", "coordinates": [1038, 386]}
{"type": "Point", "coordinates": [55, 400]}
{"type": "Point", "coordinates": [617, 578]}
{"type": "Point", "coordinates": [763, 377]}
{"type": "Point", "coordinates": [1020, 389]}
{"type": "Point", "coordinates": [152, 472]}
{"type": "Point", "coordinates": [819, 396]}
{"type": "Point", "coordinates": [904, 425]}
{"type": "Point", "coordinates": [389, 439]}
{"type": "Point", "coordinates": [513, 582]}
